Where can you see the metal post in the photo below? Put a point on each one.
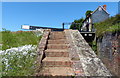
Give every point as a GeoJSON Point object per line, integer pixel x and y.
{"type": "Point", "coordinates": [63, 26]}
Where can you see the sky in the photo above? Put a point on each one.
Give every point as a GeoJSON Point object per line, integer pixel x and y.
{"type": "Point", "coordinates": [48, 14]}
{"type": "Point", "coordinates": [60, 0]}
{"type": "Point", "coordinates": [119, 7]}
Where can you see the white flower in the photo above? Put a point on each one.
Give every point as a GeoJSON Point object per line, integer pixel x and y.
{"type": "Point", "coordinates": [18, 52]}
{"type": "Point", "coordinates": [1, 52]}
{"type": "Point", "coordinates": [24, 53]}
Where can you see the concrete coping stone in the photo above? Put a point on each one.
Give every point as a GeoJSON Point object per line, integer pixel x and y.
{"type": "Point", "coordinates": [91, 64]}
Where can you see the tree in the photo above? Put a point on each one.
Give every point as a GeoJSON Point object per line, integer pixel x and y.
{"type": "Point", "coordinates": [88, 12]}
{"type": "Point", "coordinates": [77, 26]}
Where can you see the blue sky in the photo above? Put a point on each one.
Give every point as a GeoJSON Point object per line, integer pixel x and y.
{"type": "Point", "coordinates": [60, 0]}
{"type": "Point", "coordinates": [49, 14]}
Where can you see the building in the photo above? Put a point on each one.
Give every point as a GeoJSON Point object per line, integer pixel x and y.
{"type": "Point", "coordinates": [99, 15]}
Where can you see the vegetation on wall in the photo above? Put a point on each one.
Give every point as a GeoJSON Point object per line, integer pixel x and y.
{"type": "Point", "coordinates": [93, 45]}
{"type": "Point", "coordinates": [110, 25]}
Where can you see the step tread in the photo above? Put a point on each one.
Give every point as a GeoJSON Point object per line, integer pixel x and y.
{"type": "Point", "coordinates": [57, 33]}
{"type": "Point", "coordinates": [56, 50]}
{"type": "Point", "coordinates": [57, 71]}
{"type": "Point", "coordinates": [59, 44]}
{"type": "Point", "coordinates": [57, 59]}
{"type": "Point", "coordinates": [57, 40]}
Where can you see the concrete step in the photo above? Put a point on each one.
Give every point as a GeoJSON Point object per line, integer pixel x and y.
{"type": "Point", "coordinates": [57, 32]}
{"type": "Point", "coordinates": [57, 46]}
{"type": "Point", "coordinates": [56, 37]}
{"type": "Point", "coordinates": [57, 62]}
{"type": "Point", "coordinates": [60, 41]}
{"type": "Point", "coordinates": [56, 53]}
{"type": "Point", "coordinates": [57, 71]}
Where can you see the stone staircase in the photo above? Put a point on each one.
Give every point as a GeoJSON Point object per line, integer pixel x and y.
{"type": "Point", "coordinates": [57, 61]}
{"type": "Point", "coordinates": [54, 60]}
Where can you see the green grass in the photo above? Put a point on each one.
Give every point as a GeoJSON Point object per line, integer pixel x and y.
{"type": "Point", "coordinates": [110, 25]}
{"type": "Point", "coordinates": [16, 39]}
{"type": "Point", "coordinates": [0, 37]}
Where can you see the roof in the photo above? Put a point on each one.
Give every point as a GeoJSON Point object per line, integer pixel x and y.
{"type": "Point", "coordinates": [102, 9]}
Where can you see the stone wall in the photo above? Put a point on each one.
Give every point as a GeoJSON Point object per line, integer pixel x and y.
{"type": "Point", "coordinates": [40, 50]}
{"type": "Point", "coordinates": [109, 51]}
{"type": "Point", "coordinates": [85, 61]}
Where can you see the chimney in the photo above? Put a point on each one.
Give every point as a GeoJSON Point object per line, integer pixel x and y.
{"type": "Point", "coordinates": [104, 6]}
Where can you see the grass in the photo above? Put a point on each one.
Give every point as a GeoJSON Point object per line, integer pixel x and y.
{"type": "Point", "coordinates": [0, 40]}
{"type": "Point", "coordinates": [19, 38]}
{"type": "Point", "coordinates": [110, 25]}
{"type": "Point", "coordinates": [0, 37]}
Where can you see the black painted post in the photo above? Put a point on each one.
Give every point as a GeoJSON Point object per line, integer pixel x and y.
{"type": "Point", "coordinates": [63, 26]}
